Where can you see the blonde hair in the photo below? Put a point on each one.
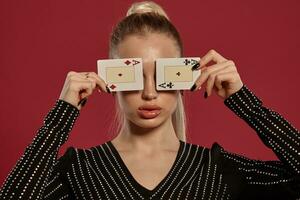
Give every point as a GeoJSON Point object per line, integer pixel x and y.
{"type": "Point", "coordinates": [146, 6]}
{"type": "Point", "coordinates": [143, 18]}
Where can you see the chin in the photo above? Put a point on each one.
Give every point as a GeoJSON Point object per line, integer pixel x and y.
{"type": "Point", "coordinates": [147, 123]}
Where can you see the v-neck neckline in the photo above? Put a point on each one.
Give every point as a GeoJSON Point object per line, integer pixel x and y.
{"type": "Point", "coordinates": [137, 185]}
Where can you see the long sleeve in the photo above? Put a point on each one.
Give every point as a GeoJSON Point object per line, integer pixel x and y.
{"type": "Point", "coordinates": [58, 186]}
{"type": "Point", "coordinates": [268, 179]}
{"type": "Point", "coordinates": [34, 170]}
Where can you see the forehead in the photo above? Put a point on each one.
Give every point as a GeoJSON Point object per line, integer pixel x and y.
{"type": "Point", "coordinates": [148, 47]}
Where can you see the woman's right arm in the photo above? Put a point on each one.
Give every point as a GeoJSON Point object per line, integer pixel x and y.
{"type": "Point", "coordinates": [34, 170]}
{"type": "Point", "coordinates": [29, 176]}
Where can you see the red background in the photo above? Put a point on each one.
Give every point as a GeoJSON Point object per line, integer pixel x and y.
{"type": "Point", "coordinates": [42, 40]}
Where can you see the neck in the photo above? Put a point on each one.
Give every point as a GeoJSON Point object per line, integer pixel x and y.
{"type": "Point", "coordinates": [136, 138]}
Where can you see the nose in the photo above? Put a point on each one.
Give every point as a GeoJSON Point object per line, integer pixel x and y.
{"type": "Point", "coordinates": [149, 91]}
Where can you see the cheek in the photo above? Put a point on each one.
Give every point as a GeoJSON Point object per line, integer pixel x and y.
{"type": "Point", "coordinates": [128, 102]}
{"type": "Point", "coordinates": [169, 101]}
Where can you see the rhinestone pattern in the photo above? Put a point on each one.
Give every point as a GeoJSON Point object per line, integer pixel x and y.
{"type": "Point", "coordinates": [197, 173]}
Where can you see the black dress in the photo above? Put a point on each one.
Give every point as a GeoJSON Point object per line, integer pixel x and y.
{"type": "Point", "coordinates": [197, 173]}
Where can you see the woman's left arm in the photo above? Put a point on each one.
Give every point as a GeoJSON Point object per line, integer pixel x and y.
{"type": "Point", "coordinates": [276, 132]}
{"type": "Point", "coordinates": [266, 179]}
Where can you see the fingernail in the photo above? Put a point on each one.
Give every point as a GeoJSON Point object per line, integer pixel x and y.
{"type": "Point", "coordinates": [205, 94]}
{"type": "Point", "coordinates": [107, 89]}
{"type": "Point", "coordinates": [99, 90]}
{"type": "Point", "coordinates": [82, 102]}
{"type": "Point", "coordinates": [195, 66]}
{"type": "Point", "coordinates": [193, 87]}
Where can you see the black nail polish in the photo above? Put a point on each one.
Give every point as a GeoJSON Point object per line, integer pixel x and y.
{"type": "Point", "coordinates": [107, 89]}
{"type": "Point", "coordinates": [205, 94]}
{"type": "Point", "coordinates": [193, 87]}
{"type": "Point", "coordinates": [195, 66]}
{"type": "Point", "coordinates": [82, 102]}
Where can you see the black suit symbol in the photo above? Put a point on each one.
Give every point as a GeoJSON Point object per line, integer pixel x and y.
{"type": "Point", "coordinates": [165, 85]}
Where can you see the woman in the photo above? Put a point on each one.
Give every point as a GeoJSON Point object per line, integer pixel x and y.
{"type": "Point", "coordinates": [149, 158]}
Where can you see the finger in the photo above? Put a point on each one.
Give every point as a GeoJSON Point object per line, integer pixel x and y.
{"type": "Point", "coordinates": [99, 81]}
{"type": "Point", "coordinates": [226, 77]}
{"type": "Point", "coordinates": [85, 88]}
{"type": "Point", "coordinates": [94, 81]}
{"type": "Point", "coordinates": [71, 73]}
{"type": "Point", "coordinates": [211, 82]}
{"type": "Point", "coordinates": [206, 71]}
{"type": "Point", "coordinates": [82, 102]}
{"type": "Point", "coordinates": [89, 74]}
{"type": "Point", "coordinates": [77, 77]}
{"type": "Point", "coordinates": [212, 55]}
{"type": "Point", "coordinates": [84, 74]}
{"type": "Point", "coordinates": [80, 79]}
{"type": "Point", "coordinates": [78, 74]}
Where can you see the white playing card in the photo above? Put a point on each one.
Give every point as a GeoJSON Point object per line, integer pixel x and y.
{"type": "Point", "coordinates": [122, 74]}
{"type": "Point", "coordinates": [176, 73]}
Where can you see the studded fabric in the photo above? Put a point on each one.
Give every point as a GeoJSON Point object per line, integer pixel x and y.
{"type": "Point", "coordinates": [197, 173]}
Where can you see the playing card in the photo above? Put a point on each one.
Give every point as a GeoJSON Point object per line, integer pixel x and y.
{"type": "Point", "coordinates": [122, 74]}
{"type": "Point", "coordinates": [176, 73]}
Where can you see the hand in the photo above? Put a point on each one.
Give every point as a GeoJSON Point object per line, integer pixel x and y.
{"type": "Point", "coordinates": [80, 85]}
{"type": "Point", "coordinates": [222, 77]}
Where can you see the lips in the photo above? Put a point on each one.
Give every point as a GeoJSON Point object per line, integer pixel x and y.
{"type": "Point", "coordinates": [149, 107]}
{"type": "Point", "coordinates": [149, 111]}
